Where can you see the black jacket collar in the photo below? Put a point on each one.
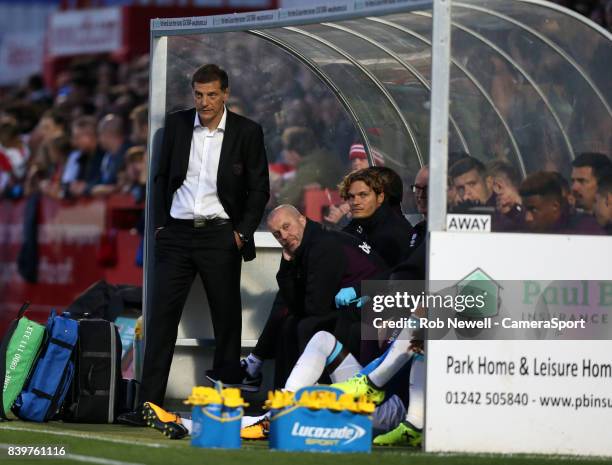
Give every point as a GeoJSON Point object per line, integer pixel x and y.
{"type": "Point", "coordinates": [312, 230]}
{"type": "Point", "coordinates": [380, 216]}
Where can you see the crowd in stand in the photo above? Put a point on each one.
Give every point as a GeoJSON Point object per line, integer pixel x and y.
{"type": "Point", "coordinates": [87, 138]}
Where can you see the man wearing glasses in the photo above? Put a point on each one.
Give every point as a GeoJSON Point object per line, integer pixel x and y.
{"type": "Point", "coordinates": [419, 189]}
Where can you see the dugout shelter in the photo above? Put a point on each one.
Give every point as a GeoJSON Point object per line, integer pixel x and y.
{"type": "Point", "coordinates": [525, 81]}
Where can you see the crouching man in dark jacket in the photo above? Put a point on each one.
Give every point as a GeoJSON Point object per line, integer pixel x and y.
{"type": "Point", "coordinates": [316, 263]}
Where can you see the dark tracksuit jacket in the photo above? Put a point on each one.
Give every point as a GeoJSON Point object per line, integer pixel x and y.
{"type": "Point", "coordinates": [386, 231]}
{"type": "Point", "coordinates": [325, 262]}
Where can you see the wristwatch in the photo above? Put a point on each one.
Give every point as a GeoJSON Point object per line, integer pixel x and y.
{"type": "Point", "coordinates": [243, 238]}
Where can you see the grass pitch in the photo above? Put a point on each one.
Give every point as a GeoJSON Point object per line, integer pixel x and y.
{"type": "Point", "coordinates": [123, 445]}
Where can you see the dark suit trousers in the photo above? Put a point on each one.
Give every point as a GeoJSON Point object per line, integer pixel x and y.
{"type": "Point", "coordinates": [278, 341]}
{"type": "Point", "coordinates": [181, 252]}
{"type": "Point", "coordinates": [285, 336]}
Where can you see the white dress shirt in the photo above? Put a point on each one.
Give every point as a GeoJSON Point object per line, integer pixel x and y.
{"type": "Point", "coordinates": [197, 197]}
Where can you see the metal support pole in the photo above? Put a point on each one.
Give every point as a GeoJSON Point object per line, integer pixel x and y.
{"type": "Point", "coordinates": [157, 111]}
{"type": "Point", "coordinates": [438, 131]}
{"type": "Point", "coordinates": [438, 138]}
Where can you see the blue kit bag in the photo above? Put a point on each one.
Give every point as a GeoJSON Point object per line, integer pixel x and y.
{"type": "Point", "coordinates": [45, 391]}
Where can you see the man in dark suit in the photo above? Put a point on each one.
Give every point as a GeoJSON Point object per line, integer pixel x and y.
{"type": "Point", "coordinates": [210, 189]}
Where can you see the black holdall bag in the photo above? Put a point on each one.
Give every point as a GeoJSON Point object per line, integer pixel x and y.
{"type": "Point", "coordinates": [126, 396]}
{"type": "Point", "coordinates": [93, 395]}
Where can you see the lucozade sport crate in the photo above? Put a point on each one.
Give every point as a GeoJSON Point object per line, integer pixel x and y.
{"type": "Point", "coordinates": [216, 417]}
{"type": "Point", "coordinates": [320, 419]}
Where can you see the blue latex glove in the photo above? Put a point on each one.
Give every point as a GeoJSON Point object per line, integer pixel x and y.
{"type": "Point", "coordinates": [361, 301]}
{"type": "Point", "coordinates": [345, 296]}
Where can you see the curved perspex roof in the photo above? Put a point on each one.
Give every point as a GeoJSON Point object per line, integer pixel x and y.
{"type": "Point", "coordinates": [530, 82]}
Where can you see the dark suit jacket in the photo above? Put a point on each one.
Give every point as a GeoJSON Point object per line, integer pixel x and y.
{"type": "Point", "coordinates": [242, 179]}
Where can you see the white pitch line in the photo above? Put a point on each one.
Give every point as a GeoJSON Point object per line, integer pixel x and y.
{"type": "Point", "coordinates": [75, 434]}
{"type": "Point", "coordinates": [100, 460]}
{"type": "Point", "coordinates": [75, 457]}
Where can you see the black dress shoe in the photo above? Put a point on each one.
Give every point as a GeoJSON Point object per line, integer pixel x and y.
{"type": "Point", "coordinates": [134, 418]}
{"type": "Point", "coordinates": [237, 379]}
{"type": "Point", "coordinates": [225, 375]}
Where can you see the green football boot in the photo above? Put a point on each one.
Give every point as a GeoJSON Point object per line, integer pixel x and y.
{"type": "Point", "coordinates": [360, 385]}
{"type": "Point", "coordinates": [404, 434]}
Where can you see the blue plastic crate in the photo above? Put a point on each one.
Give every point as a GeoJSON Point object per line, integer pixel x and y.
{"type": "Point", "coordinates": [297, 428]}
{"type": "Point", "coordinates": [216, 426]}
